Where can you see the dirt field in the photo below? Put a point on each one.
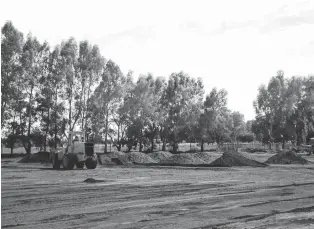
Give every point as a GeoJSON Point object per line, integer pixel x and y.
{"type": "Point", "coordinates": [278, 196]}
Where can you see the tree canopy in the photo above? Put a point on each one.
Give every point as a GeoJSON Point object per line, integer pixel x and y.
{"type": "Point", "coordinates": [48, 91]}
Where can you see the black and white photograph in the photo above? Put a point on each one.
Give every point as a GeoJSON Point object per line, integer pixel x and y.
{"type": "Point", "coordinates": [156, 114]}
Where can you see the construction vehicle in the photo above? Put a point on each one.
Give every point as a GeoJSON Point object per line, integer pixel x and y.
{"type": "Point", "coordinates": [77, 152]}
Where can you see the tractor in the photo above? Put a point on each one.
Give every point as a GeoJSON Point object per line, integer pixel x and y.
{"type": "Point", "coordinates": [77, 152]}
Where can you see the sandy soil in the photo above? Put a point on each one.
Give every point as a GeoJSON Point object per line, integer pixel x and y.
{"type": "Point", "coordinates": [278, 196]}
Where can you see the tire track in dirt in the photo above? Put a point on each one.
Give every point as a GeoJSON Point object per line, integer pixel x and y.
{"type": "Point", "coordinates": [139, 198]}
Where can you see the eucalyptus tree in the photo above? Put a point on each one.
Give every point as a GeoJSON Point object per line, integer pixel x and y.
{"type": "Point", "coordinates": [270, 104]}
{"type": "Point", "coordinates": [69, 54]}
{"type": "Point", "coordinates": [32, 60]}
{"type": "Point", "coordinates": [214, 118]}
{"type": "Point", "coordinates": [89, 66]}
{"type": "Point", "coordinates": [238, 125]}
{"type": "Point", "coordinates": [11, 50]}
{"type": "Point", "coordinates": [180, 95]}
{"type": "Point", "coordinates": [106, 98]}
{"type": "Point", "coordinates": [142, 113]}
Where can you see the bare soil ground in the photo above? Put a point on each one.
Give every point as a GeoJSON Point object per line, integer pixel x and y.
{"type": "Point", "coordinates": [277, 196]}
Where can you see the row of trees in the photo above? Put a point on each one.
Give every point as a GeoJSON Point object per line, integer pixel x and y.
{"type": "Point", "coordinates": [47, 92]}
{"type": "Point", "coordinates": [285, 110]}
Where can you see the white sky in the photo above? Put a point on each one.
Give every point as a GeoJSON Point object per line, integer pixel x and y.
{"type": "Point", "coordinates": [236, 45]}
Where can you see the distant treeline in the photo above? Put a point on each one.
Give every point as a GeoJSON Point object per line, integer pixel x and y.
{"type": "Point", "coordinates": [49, 91]}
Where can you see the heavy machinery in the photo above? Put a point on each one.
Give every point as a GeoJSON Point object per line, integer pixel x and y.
{"type": "Point", "coordinates": [77, 152]}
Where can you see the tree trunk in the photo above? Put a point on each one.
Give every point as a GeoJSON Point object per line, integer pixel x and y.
{"type": "Point", "coordinates": [269, 145]}
{"type": "Point", "coordinates": [163, 144]}
{"type": "Point", "coordinates": [118, 140]}
{"type": "Point", "coordinates": [56, 129]}
{"type": "Point", "coordinates": [174, 148]}
{"type": "Point", "coordinates": [47, 129]}
{"type": "Point", "coordinates": [70, 115]}
{"type": "Point", "coordinates": [12, 146]}
{"type": "Point", "coordinates": [84, 108]}
{"type": "Point", "coordinates": [140, 145]}
{"type": "Point", "coordinates": [152, 142]}
{"type": "Point", "coordinates": [202, 145]}
{"type": "Point", "coordinates": [3, 105]}
{"type": "Point", "coordinates": [28, 151]}
{"type": "Point", "coordinates": [270, 134]}
{"type": "Point", "coordinates": [106, 130]}
{"type": "Point", "coordinates": [88, 95]}
{"type": "Point", "coordinates": [129, 144]}
{"type": "Point", "coordinates": [305, 130]}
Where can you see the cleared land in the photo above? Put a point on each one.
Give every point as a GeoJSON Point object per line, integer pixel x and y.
{"type": "Point", "coordinates": [277, 196]}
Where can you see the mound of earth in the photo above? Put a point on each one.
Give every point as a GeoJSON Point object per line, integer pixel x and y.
{"type": "Point", "coordinates": [92, 180]}
{"type": "Point", "coordinates": [229, 159]}
{"type": "Point", "coordinates": [206, 156]}
{"type": "Point", "coordinates": [288, 157]}
{"type": "Point", "coordinates": [140, 158]}
{"type": "Point", "coordinates": [160, 155]}
{"type": "Point", "coordinates": [182, 159]}
{"type": "Point", "coordinates": [120, 157]}
{"type": "Point", "coordinates": [105, 160]}
{"type": "Point", "coordinates": [40, 157]}
{"type": "Point", "coordinates": [260, 157]}
{"type": "Point", "coordinates": [116, 161]}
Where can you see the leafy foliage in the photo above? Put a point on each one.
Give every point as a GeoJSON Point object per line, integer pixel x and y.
{"type": "Point", "coordinates": [47, 92]}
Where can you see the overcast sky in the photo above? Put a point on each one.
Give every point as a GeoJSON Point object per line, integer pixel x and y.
{"type": "Point", "coordinates": [236, 45]}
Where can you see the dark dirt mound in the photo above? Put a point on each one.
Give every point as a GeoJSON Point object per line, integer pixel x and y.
{"type": "Point", "coordinates": [40, 157]}
{"type": "Point", "coordinates": [116, 161]}
{"type": "Point", "coordinates": [119, 156]}
{"type": "Point", "coordinates": [229, 159]}
{"type": "Point", "coordinates": [92, 180]}
{"type": "Point", "coordinates": [288, 157]}
{"type": "Point", "coordinates": [105, 160]}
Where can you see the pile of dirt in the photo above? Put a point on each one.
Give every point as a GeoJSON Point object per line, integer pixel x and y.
{"type": "Point", "coordinates": [182, 159]}
{"type": "Point", "coordinates": [288, 157]}
{"type": "Point", "coordinates": [206, 156]}
{"type": "Point", "coordinates": [92, 180]}
{"type": "Point", "coordinates": [140, 158]}
{"type": "Point", "coordinates": [104, 160]}
{"type": "Point", "coordinates": [229, 159]}
{"type": "Point", "coordinates": [256, 157]}
{"type": "Point", "coordinates": [117, 161]}
{"type": "Point", "coordinates": [119, 158]}
{"type": "Point", "coordinates": [40, 157]}
{"type": "Point", "coordinates": [160, 155]}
